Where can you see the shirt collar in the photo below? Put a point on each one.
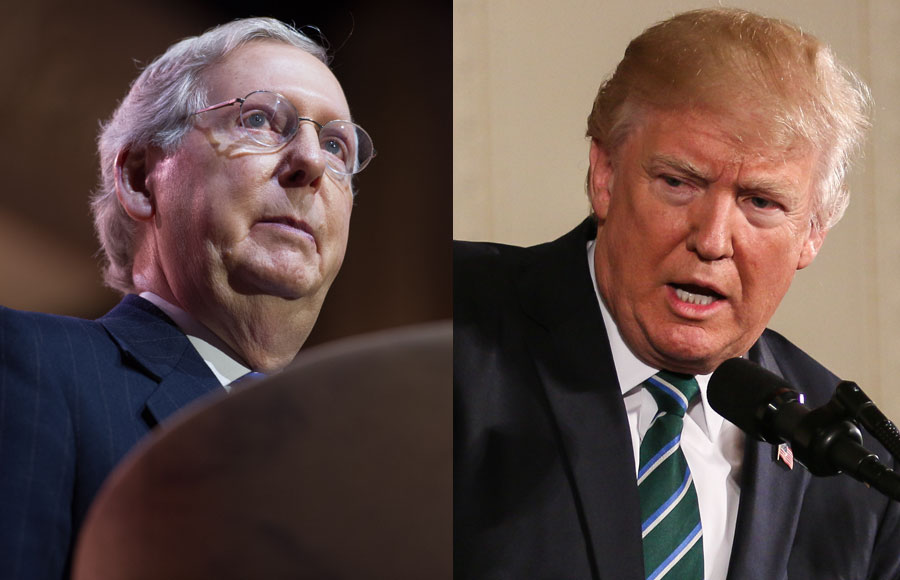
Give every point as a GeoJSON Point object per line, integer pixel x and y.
{"type": "Point", "coordinates": [213, 350]}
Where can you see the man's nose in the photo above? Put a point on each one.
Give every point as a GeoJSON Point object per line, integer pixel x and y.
{"type": "Point", "coordinates": [711, 225]}
{"type": "Point", "coordinates": [304, 158]}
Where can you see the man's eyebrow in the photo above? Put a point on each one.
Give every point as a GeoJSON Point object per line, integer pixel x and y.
{"type": "Point", "coordinates": [759, 184]}
{"type": "Point", "coordinates": [773, 187]}
{"type": "Point", "coordinates": [658, 160]}
{"type": "Point", "coordinates": [778, 186]}
{"type": "Point", "coordinates": [299, 103]}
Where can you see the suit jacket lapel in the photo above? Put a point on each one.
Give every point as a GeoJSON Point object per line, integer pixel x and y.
{"type": "Point", "coordinates": [150, 341]}
{"type": "Point", "coordinates": [572, 355]}
{"type": "Point", "coordinates": [770, 502]}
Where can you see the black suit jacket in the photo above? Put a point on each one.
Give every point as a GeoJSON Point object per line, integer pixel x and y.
{"type": "Point", "coordinates": [75, 397]}
{"type": "Point", "coordinates": [544, 475]}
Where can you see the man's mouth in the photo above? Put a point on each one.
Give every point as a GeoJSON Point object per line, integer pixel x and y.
{"type": "Point", "coordinates": [697, 295]}
{"type": "Point", "coordinates": [289, 223]}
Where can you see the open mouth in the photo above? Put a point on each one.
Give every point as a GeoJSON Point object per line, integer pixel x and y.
{"type": "Point", "coordinates": [697, 295]}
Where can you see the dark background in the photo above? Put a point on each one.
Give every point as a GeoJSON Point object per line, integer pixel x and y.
{"type": "Point", "coordinates": [65, 66]}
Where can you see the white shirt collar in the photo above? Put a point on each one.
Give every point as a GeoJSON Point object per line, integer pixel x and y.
{"type": "Point", "coordinates": [212, 349]}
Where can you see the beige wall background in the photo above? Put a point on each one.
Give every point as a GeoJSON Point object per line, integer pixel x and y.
{"type": "Point", "coordinates": [525, 74]}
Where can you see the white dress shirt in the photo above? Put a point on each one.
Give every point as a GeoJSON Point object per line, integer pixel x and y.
{"type": "Point", "coordinates": [713, 447]}
{"type": "Point", "coordinates": [212, 349]}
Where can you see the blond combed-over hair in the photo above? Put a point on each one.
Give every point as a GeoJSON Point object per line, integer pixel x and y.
{"type": "Point", "coordinates": [779, 84]}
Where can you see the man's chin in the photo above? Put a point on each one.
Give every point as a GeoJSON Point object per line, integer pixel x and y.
{"type": "Point", "coordinates": [276, 283]}
{"type": "Point", "coordinates": [695, 355]}
{"type": "Point", "coordinates": [699, 362]}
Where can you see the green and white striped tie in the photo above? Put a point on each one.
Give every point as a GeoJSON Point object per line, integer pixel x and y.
{"type": "Point", "coordinates": [670, 516]}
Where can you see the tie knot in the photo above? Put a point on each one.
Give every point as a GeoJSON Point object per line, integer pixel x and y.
{"type": "Point", "coordinates": [673, 392]}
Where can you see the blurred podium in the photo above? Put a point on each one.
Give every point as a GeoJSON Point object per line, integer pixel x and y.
{"type": "Point", "coordinates": [340, 467]}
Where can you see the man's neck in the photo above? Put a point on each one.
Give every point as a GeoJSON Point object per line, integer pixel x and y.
{"type": "Point", "coordinates": [221, 359]}
{"type": "Point", "coordinates": [262, 332]}
{"type": "Point", "coordinates": [267, 331]}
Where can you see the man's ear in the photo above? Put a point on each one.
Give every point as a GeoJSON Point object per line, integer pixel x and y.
{"type": "Point", "coordinates": [811, 247]}
{"type": "Point", "coordinates": [600, 179]}
{"type": "Point", "coordinates": [132, 187]}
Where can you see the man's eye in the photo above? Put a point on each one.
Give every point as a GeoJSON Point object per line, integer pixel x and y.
{"type": "Point", "coordinates": [672, 181]}
{"type": "Point", "coordinates": [256, 120]}
{"type": "Point", "coordinates": [761, 202]}
{"type": "Point", "coordinates": [334, 147]}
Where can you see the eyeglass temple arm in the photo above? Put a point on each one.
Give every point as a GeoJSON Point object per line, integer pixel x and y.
{"type": "Point", "coordinates": [227, 103]}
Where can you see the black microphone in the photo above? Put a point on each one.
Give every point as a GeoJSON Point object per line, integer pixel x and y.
{"type": "Point", "coordinates": [857, 406]}
{"type": "Point", "coordinates": [765, 406]}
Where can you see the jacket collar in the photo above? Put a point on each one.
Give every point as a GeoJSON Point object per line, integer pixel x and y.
{"type": "Point", "coordinates": [153, 344]}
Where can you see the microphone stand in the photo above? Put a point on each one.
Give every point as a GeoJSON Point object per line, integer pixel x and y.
{"type": "Point", "coordinates": [826, 440]}
{"type": "Point", "coordinates": [829, 441]}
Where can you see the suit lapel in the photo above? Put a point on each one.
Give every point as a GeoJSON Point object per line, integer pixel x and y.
{"type": "Point", "coordinates": [151, 342]}
{"type": "Point", "coordinates": [571, 353]}
{"type": "Point", "coordinates": [770, 502]}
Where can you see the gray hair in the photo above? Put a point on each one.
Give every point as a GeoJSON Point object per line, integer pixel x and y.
{"type": "Point", "coordinates": [157, 112]}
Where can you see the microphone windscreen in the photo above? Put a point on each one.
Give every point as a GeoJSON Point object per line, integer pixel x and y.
{"type": "Point", "coordinates": [739, 389]}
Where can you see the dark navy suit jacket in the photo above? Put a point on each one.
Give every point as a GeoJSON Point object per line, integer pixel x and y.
{"type": "Point", "coordinates": [75, 396]}
{"type": "Point", "coordinates": [544, 476]}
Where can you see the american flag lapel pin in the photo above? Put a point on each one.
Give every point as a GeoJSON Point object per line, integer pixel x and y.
{"type": "Point", "coordinates": [784, 455]}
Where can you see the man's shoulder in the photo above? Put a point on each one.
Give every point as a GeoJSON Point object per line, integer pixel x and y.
{"type": "Point", "coordinates": [492, 253]}
{"type": "Point", "coordinates": [29, 322]}
{"type": "Point", "coordinates": [798, 368]}
{"type": "Point", "coordinates": [486, 274]}
{"type": "Point", "coordinates": [477, 265]}
{"type": "Point", "coordinates": [39, 332]}
{"type": "Point", "coordinates": [16, 325]}
{"type": "Point", "coordinates": [481, 281]}
{"type": "Point", "coordinates": [483, 269]}
{"type": "Point", "coordinates": [54, 347]}
{"type": "Point", "coordinates": [478, 258]}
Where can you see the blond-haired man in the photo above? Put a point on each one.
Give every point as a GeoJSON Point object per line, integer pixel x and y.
{"type": "Point", "coordinates": [717, 160]}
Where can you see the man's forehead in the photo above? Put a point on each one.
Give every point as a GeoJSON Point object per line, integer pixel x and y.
{"type": "Point", "coordinates": [734, 137]}
{"type": "Point", "coordinates": [282, 68]}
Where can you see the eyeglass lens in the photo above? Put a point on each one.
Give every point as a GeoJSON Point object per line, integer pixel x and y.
{"type": "Point", "coordinates": [270, 120]}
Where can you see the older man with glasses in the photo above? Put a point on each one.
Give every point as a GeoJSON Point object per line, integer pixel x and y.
{"type": "Point", "coordinates": [223, 220]}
